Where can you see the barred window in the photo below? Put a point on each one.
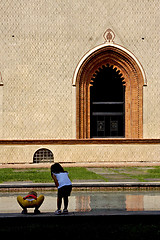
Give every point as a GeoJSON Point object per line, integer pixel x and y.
{"type": "Point", "coordinates": [43, 155]}
{"type": "Point", "coordinates": [107, 103]}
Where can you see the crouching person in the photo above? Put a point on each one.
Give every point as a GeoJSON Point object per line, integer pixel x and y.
{"type": "Point", "coordinates": [30, 201]}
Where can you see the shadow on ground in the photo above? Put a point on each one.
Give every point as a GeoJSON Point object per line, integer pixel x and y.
{"type": "Point", "coordinates": [82, 226]}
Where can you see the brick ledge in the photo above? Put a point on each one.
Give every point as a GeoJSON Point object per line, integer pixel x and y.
{"type": "Point", "coordinates": [77, 141]}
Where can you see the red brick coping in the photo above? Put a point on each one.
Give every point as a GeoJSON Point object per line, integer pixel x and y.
{"type": "Point", "coordinates": [78, 141]}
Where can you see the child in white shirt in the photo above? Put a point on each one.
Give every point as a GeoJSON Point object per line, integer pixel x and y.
{"type": "Point", "coordinates": [64, 185]}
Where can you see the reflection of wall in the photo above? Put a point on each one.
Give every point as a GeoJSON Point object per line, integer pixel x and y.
{"type": "Point", "coordinates": [9, 204]}
{"type": "Point", "coordinates": [50, 204]}
{"type": "Point", "coordinates": [83, 204]}
{"type": "Point", "coordinates": [151, 202]}
{"type": "Point", "coordinates": [88, 202]}
{"type": "Point", "coordinates": [76, 203]}
{"type": "Point", "coordinates": [142, 203]}
{"type": "Point", "coordinates": [108, 201]}
{"type": "Point", "coordinates": [134, 203]}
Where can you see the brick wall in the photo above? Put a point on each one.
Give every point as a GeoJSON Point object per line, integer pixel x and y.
{"type": "Point", "coordinates": [41, 43]}
{"type": "Point", "coordinates": [138, 151]}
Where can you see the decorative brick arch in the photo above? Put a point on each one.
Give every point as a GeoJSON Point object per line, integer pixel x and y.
{"type": "Point", "coordinates": [134, 78]}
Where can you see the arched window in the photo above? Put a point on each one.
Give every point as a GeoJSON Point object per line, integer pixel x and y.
{"type": "Point", "coordinates": [43, 155]}
{"type": "Point", "coordinates": [109, 81]}
{"type": "Point", "coordinates": [107, 103]}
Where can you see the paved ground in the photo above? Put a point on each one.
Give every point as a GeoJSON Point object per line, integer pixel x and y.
{"type": "Point", "coordinates": [101, 212]}
{"type": "Point", "coordinates": [81, 226]}
{"type": "Point", "coordinates": [121, 174]}
{"type": "Point", "coordinates": [79, 185]}
{"type": "Point", "coordinates": [94, 165]}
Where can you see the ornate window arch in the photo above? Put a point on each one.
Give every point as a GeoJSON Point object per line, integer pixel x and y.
{"type": "Point", "coordinates": [134, 77]}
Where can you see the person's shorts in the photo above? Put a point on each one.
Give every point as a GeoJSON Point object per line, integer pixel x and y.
{"type": "Point", "coordinates": [64, 191]}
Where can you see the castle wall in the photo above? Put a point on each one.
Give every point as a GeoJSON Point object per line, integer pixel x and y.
{"type": "Point", "coordinates": [41, 42]}
{"type": "Point", "coordinates": [77, 151]}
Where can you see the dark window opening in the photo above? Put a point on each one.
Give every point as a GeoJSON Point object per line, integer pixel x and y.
{"type": "Point", "coordinates": [107, 106]}
{"type": "Point", "coordinates": [43, 155]}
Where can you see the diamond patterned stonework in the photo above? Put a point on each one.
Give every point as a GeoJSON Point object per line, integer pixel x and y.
{"type": "Point", "coordinates": [41, 43]}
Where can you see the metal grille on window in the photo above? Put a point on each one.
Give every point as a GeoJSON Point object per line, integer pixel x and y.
{"type": "Point", "coordinates": [107, 109]}
{"type": "Point", "coordinates": [43, 155]}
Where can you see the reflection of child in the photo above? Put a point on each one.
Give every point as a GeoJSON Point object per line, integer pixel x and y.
{"type": "Point", "coordinates": [63, 184]}
{"type": "Point", "coordinates": [30, 201]}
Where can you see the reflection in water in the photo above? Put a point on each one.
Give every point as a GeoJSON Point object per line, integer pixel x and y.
{"type": "Point", "coordinates": [134, 203]}
{"type": "Point", "coordinates": [89, 201]}
{"type": "Point", "coordinates": [83, 204]}
{"type": "Point", "coordinates": [142, 203]}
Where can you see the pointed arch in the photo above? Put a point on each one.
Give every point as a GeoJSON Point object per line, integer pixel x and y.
{"type": "Point", "coordinates": [127, 64]}
{"type": "Point", "coordinates": [107, 103]}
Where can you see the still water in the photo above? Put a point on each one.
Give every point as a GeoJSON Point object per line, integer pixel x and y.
{"type": "Point", "coordinates": [85, 201]}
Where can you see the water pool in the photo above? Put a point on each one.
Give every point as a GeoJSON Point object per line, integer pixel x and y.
{"type": "Point", "coordinates": [85, 201]}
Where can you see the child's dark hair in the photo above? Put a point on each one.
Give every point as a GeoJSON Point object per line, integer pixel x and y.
{"type": "Point", "coordinates": [56, 168]}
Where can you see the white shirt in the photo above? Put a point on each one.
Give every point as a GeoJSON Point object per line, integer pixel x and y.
{"type": "Point", "coordinates": [63, 179]}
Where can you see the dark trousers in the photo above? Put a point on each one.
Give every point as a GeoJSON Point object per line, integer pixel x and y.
{"type": "Point", "coordinates": [63, 192]}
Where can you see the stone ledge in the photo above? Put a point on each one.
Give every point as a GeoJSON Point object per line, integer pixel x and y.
{"type": "Point", "coordinates": [78, 141]}
{"type": "Point", "coordinates": [86, 185]}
